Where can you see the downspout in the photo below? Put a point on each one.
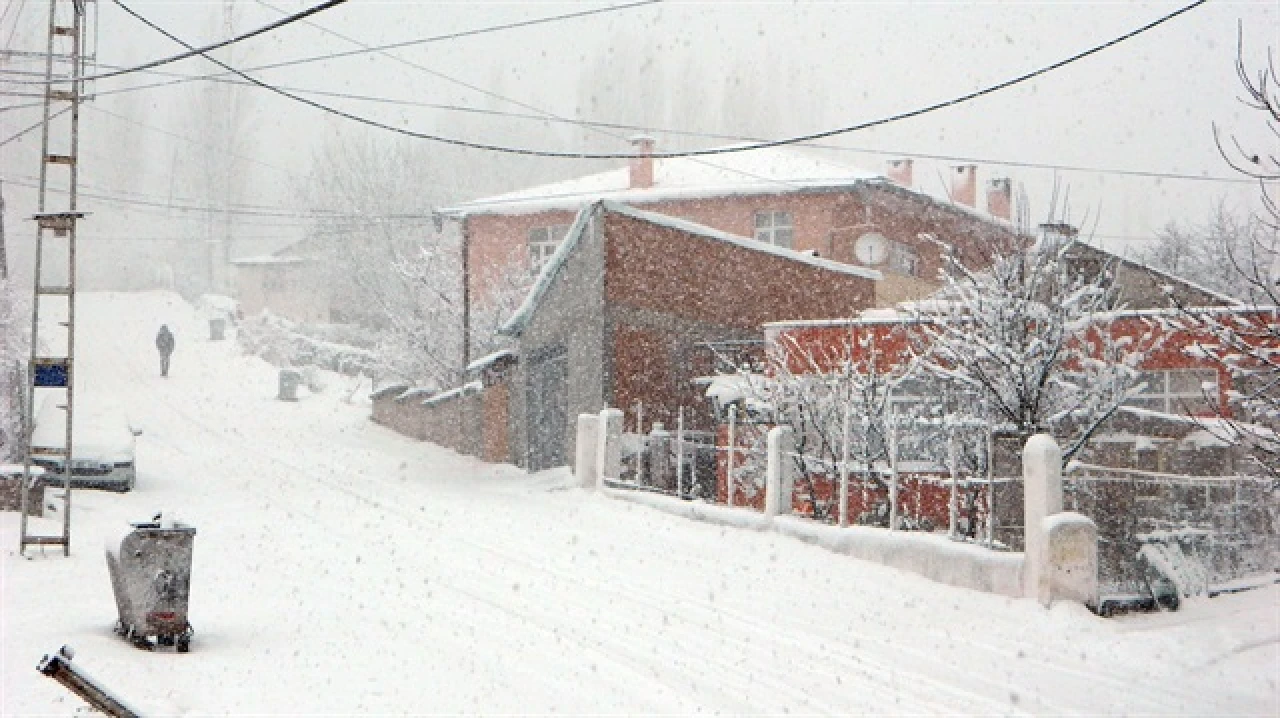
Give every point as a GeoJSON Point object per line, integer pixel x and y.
{"type": "Point", "coordinates": [466, 291]}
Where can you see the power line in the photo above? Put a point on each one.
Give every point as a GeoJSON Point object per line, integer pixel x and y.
{"type": "Point", "coordinates": [691, 153]}
{"type": "Point", "coordinates": [327, 4]}
{"type": "Point", "coordinates": [382, 48]}
{"type": "Point", "coordinates": [544, 116]}
{"type": "Point", "coordinates": [36, 126]}
{"type": "Point", "coordinates": [193, 141]}
{"type": "Point", "coordinates": [241, 210]}
{"type": "Point", "coordinates": [503, 98]}
{"type": "Point", "coordinates": [13, 30]}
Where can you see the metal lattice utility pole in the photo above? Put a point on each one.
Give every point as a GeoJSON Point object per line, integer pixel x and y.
{"type": "Point", "coordinates": [4, 256]}
{"type": "Point", "coordinates": [52, 366]}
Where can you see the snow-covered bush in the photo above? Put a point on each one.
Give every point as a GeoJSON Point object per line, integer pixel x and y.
{"type": "Point", "coordinates": [283, 343]}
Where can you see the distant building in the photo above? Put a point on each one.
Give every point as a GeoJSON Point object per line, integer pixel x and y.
{"type": "Point", "coordinates": [285, 284]}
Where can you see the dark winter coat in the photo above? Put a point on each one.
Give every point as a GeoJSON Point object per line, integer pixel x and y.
{"type": "Point", "coordinates": [164, 341]}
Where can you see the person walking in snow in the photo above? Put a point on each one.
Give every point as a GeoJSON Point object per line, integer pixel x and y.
{"type": "Point", "coordinates": [165, 343]}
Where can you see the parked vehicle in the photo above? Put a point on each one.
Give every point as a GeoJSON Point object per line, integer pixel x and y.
{"type": "Point", "coordinates": [102, 452]}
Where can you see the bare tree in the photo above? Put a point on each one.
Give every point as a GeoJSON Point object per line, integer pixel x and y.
{"type": "Point", "coordinates": [387, 265]}
{"type": "Point", "coordinates": [1195, 252]}
{"type": "Point", "coordinates": [1246, 341]}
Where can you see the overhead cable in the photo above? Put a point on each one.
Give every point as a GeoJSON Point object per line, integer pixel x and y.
{"type": "Point", "coordinates": [689, 153]}
{"type": "Point", "coordinates": [538, 115]}
{"type": "Point", "coordinates": [192, 52]}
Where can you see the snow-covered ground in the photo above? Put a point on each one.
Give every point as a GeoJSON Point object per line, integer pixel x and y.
{"type": "Point", "coordinates": [342, 569]}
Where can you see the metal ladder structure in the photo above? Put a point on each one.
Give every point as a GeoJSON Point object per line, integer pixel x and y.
{"type": "Point", "coordinates": [52, 365]}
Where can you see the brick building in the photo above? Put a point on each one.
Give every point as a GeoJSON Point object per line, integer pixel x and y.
{"type": "Point", "coordinates": [628, 308]}
{"type": "Point", "coordinates": [774, 196]}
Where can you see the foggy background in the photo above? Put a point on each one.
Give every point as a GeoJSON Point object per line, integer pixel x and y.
{"type": "Point", "coordinates": [159, 166]}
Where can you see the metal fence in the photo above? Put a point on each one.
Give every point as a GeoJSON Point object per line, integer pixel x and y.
{"type": "Point", "coordinates": [1210, 529]}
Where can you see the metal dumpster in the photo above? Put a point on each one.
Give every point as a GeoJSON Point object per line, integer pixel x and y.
{"type": "Point", "coordinates": [151, 576]}
{"type": "Point", "coordinates": [289, 381]}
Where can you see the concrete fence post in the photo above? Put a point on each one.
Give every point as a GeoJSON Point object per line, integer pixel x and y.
{"type": "Point", "coordinates": [779, 472]}
{"type": "Point", "coordinates": [585, 467]}
{"type": "Point", "coordinates": [1042, 498]}
{"type": "Point", "coordinates": [1071, 559]}
{"type": "Point", "coordinates": [609, 456]}
{"type": "Point", "coordinates": [1061, 560]}
{"type": "Point", "coordinates": [659, 455]}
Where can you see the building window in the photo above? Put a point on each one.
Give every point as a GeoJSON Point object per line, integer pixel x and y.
{"type": "Point", "coordinates": [542, 244]}
{"type": "Point", "coordinates": [774, 227]}
{"type": "Point", "coordinates": [904, 259]}
{"type": "Point", "coordinates": [1178, 391]}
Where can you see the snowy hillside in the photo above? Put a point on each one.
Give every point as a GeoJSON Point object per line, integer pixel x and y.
{"type": "Point", "coordinates": [342, 569]}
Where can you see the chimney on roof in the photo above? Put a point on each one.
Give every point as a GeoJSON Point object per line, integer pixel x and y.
{"type": "Point", "coordinates": [1056, 234]}
{"type": "Point", "coordinates": [642, 163]}
{"type": "Point", "coordinates": [900, 172]}
{"type": "Point", "coordinates": [1000, 198]}
{"type": "Point", "coordinates": [964, 185]}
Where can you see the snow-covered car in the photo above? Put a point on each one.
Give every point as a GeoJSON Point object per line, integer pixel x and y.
{"type": "Point", "coordinates": [102, 452]}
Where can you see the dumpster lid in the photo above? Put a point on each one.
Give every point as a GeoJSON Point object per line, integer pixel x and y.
{"type": "Point", "coordinates": [161, 522]}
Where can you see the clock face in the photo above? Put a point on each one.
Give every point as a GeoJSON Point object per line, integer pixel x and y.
{"type": "Point", "coordinates": [871, 248]}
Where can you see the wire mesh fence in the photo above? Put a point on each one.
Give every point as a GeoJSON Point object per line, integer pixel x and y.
{"type": "Point", "coordinates": [1206, 530]}
{"type": "Point", "coordinates": [1210, 530]}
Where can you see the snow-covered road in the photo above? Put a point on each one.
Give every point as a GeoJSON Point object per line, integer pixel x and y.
{"type": "Point", "coordinates": [341, 569]}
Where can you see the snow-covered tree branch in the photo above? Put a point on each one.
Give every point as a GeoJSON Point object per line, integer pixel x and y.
{"type": "Point", "coordinates": [1034, 339]}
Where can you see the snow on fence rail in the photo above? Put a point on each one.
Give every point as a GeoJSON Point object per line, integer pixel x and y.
{"type": "Point", "coordinates": [1223, 528]}
{"type": "Point", "coordinates": [1062, 562]}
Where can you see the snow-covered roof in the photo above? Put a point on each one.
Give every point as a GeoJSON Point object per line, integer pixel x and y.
{"type": "Point", "coordinates": [520, 319]}
{"type": "Point", "coordinates": [762, 171]}
{"type": "Point", "coordinates": [1226, 299]}
{"type": "Point", "coordinates": [389, 391]}
{"type": "Point", "coordinates": [489, 359]}
{"type": "Point", "coordinates": [464, 390]}
{"type": "Point", "coordinates": [728, 388]}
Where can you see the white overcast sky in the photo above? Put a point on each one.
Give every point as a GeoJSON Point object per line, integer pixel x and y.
{"type": "Point", "coordinates": [1147, 104]}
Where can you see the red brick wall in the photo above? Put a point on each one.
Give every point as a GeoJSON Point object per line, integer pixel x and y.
{"type": "Point", "coordinates": [1169, 345]}
{"type": "Point", "coordinates": [496, 407]}
{"type": "Point", "coordinates": [664, 302]}
{"type": "Point", "coordinates": [920, 496]}
{"type": "Point", "coordinates": [672, 272]}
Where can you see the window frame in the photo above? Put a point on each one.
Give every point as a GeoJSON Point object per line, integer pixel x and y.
{"type": "Point", "coordinates": [542, 242]}
{"type": "Point", "coordinates": [771, 223]}
{"type": "Point", "coordinates": [1164, 398]}
{"type": "Point", "coordinates": [902, 259]}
